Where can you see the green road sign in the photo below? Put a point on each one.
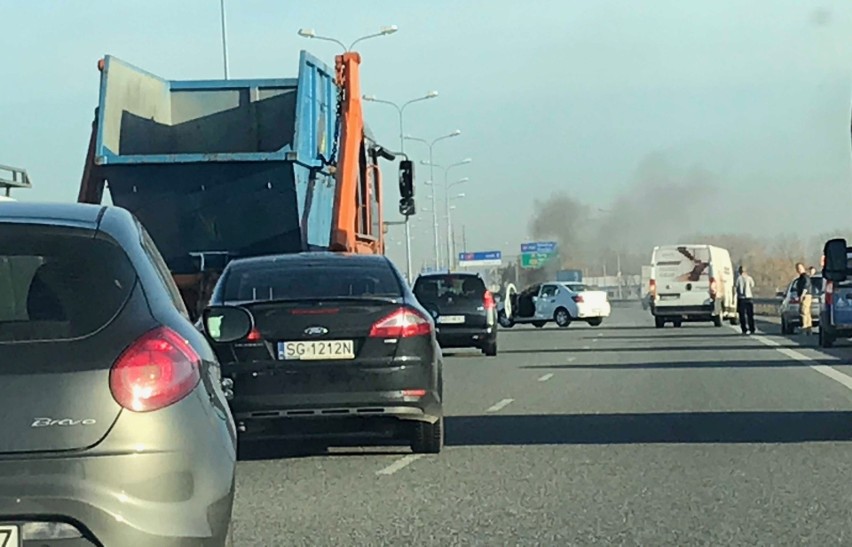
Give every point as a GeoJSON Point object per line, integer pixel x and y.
{"type": "Point", "coordinates": [534, 261]}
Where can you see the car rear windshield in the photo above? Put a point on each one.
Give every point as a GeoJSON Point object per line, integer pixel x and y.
{"type": "Point", "coordinates": [291, 280]}
{"type": "Point", "coordinates": [455, 286]}
{"type": "Point", "coordinates": [59, 283]}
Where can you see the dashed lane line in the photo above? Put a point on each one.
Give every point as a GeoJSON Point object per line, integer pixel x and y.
{"type": "Point", "coordinates": [546, 377]}
{"type": "Point", "coordinates": [399, 464]}
{"type": "Point", "coordinates": [497, 407]}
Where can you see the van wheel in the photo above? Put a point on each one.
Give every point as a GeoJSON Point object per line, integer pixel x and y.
{"type": "Point", "coordinates": [596, 321]}
{"type": "Point", "coordinates": [659, 322]}
{"type": "Point", "coordinates": [717, 320]}
{"type": "Point", "coordinates": [678, 323]}
{"type": "Point", "coordinates": [734, 320]}
{"type": "Point", "coordinates": [825, 339]}
{"type": "Point", "coordinates": [785, 328]}
{"type": "Point", "coordinates": [539, 324]}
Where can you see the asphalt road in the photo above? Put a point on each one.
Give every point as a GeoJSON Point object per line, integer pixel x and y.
{"type": "Point", "coordinates": [617, 435]}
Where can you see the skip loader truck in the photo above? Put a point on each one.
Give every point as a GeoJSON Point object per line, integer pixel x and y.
{"type": "Point", "coordinates": [224, 169]}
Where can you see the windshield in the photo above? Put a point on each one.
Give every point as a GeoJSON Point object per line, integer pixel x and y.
{"type": "Point", "coordinates": [294, 281]}
{"type": "Point", "coordinates": [457, 287]}
{"type": "Point", "coordinates": [59, 283]}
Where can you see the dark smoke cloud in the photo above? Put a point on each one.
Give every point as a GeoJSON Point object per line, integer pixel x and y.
{"type": "Point", "coordinates": [662, 205]}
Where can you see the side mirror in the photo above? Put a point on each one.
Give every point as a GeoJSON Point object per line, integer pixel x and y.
{"type": "Point", "coordinates": [227, 323]}
{"type": "Point", "coordinates": [836, 261]}
{"type": "Point", "coordinates": [406, 179]}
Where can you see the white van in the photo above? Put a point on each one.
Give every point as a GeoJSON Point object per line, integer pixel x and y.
{"type": "Point", "coordinates": [692, 283]}
{"type": "Point", "coordinates": [4, 198]}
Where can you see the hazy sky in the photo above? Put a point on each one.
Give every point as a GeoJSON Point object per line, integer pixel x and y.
{"type": "Point", "coordinates": [549, 95]}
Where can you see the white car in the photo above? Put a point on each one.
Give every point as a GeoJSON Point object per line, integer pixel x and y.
{"type": "Point", "coordinates": [560, 302]}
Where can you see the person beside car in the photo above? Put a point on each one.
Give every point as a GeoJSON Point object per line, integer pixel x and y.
{"type": "Point", "coordinates": [804, 289]}
{"type": "Point", "coordinates": [745, 300]}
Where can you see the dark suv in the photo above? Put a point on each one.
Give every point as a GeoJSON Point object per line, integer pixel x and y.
{"type": "Point", "coordinates": [463, 309]}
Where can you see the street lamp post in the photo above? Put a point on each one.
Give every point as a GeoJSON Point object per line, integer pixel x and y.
{"type": "Point", "coordinates": [450, 233]}
{"type": "Point", "coordinates": [447, 170]}
{"type": "Point", "coordinates": [401, 111]}
{"type": "Point", "coordinates": [431, 145]}
{"type": "Point", "coordinates": [224, 37]}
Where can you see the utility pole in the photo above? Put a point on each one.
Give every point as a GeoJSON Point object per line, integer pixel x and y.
{"type": "Point", "coordinates": [224, 37]}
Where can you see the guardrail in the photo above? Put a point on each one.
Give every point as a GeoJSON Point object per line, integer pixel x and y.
{"type": "Point", "coordinates": [762, 306]}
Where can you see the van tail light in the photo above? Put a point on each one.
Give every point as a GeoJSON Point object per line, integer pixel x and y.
{"type": "Point", "coordinates": [403, 323]}
{"type": "Point", "coordinates": [254, 335]}
{"type": "Point", "coordinates": [577, 298]}
{"type": "Point", "coordinates": [157, 370]}
{"type": "Point", "coordinates": [713, 286]}
{"type": "Point", "coordinates": [488, 300]}
{"type": "Point", "coordinates": [652, 288]}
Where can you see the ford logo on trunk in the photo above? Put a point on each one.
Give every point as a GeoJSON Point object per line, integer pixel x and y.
{"type": "Point", "coordinates": [316, 331]}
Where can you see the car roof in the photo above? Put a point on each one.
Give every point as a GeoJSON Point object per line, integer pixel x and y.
{"type": "Point", "coordinates": [314, 258]}
{"type": "Point", "coordinates": [448, 274]}
{"type": "Point", "coordinates": [52, 213]}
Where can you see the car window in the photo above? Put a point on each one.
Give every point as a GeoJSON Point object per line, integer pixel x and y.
{"type": "Point", "coordinates": [291, 280]}
{"type": "Point", "coordinates": [549, 290]}
{"type": "Point", "coordinates": [59, 283]}
{"type": "Point", "coordinates": [449, 286]}
{"type": "Point", "coordinates": [576, 287]}
{"type": "Point", "coordinates": [162, 270]}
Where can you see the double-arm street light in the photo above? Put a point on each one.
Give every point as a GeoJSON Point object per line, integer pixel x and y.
{"type": "Point", "coordinates": [431, 145]}
{"type": "Point", "coordinates": [401, 111]}
{"type": "Point", "coordinates": [311, 33]}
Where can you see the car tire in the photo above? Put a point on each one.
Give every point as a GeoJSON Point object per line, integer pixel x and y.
{"type": "Point", "coordinates": [734, 321]}
{"type": "Point", "coordinates": [659, 322]}
{"type": "Point", "coordinates": [785, 328]}
{"type": "Point", "coordinates": [826, 340]}
{"type": "Point", "coordinates": [428, 438]}
{"type": "Point", "coordinates": [595, 322]}
{"type": "Point", "coordinates": [677, 323]}
{"type": "Point", "coordinates": [562, 318]}
{"type": "Point", "coordinates": [490, 349]}
{"type": "Point", "coordinates": [539, 324]}
{"type": "Point", "coordinates": [717, 320]}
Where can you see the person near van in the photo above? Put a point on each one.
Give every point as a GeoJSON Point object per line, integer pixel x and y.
{"type": "Point", "coordinates": [745, 300]}
{"type": "Point", "coordinates": [804, 289]}
{"type": "Point", "coordinates": [812, 271]}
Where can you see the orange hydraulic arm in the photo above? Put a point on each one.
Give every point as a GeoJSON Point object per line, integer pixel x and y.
{"type": "Point", "coordinates": [351, 206]}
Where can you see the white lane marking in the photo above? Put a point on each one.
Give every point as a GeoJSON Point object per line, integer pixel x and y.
{"type": "Point", "coordinates": [401, 463]}
{"type": "Point", "coordinates": [500, 406]}
{"type": "Point", "coordinates": [825, 370]}
{"type": "Point", "coordinates": [587, 347]}
{"type": "Point", "coordinates": [571, 359]}
{"type": "Point", "coordinates": [594, 340]}
{"type": "Point", "coordinates": [546, 377]}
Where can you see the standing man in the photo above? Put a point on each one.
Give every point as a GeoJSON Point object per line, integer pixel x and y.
{"type": "Point", "coordinates": [812, 271]}
{"type": "Point", "coordinates": [745, 296]}
{"type": "Point", "coordinates": [805, 291]}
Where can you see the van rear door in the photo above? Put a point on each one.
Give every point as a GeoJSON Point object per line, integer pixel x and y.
{"type": "Point", "coordinates": [682, 275]}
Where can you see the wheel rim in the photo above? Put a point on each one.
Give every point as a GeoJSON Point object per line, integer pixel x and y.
{"type": "Point", "coordinates": [562, 317]}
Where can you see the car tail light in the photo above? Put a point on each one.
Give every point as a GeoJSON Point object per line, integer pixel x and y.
{"type": "Point", "coordinates": [254, 335]}
{"type": "Point", "coordinates": [829, 293]}
{"type": "Point", "coordinates": [403, 323]}
{"type": "Point", "coordinates": [577, 298]}
{"type": "Point", "coordinates": [794, 300]}
{"type": "Point", "coordinates": [488, 300]}
{"type": "Point", "coordinates": [157, 370]}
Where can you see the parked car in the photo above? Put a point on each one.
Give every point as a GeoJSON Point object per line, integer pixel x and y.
{"type": "Point", "coordinates": [562, 303]}
{"type": "Point", "coordinates": [117, 431]}
{"type": "Point", "coordinates": [464, 311]}
{"type": "Point", "coordinates": [340, 352]}
{"type": "Point", "coordinates": [789, 308]}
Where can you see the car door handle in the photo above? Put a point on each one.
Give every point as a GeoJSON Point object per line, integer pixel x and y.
{"type": "Point", "coordinates": [553, 301]}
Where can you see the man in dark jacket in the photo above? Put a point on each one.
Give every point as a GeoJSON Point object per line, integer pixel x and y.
{"type": "Point", "coordinates": [805, 291]}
